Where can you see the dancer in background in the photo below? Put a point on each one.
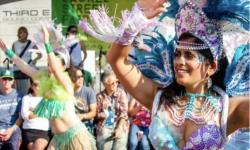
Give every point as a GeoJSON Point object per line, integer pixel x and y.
{"type": "Point", "coordinates": [58, 100]}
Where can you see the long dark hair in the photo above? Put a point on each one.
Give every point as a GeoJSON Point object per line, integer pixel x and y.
{"type": "Point", "coordinates": [175, 91]}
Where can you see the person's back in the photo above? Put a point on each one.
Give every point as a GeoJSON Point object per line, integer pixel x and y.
{"type": "Point", "coordinates": [74, 46]}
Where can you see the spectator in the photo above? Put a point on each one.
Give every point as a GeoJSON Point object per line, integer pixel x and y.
{"type": "Point", "coordinates": [112, 118]}
{"type": "Point", "coordinates": [10, 104]}
{"type": "Point", "coordinates": [21, 47]}
{"type": "Point", "coordinates": [35, 131]}
{"type": "Point", "coordinates": [86, 100]}
{"type": "Point", "coordinates": [138, 134]}
{"type": "Point", "coordinates": [77, 49]}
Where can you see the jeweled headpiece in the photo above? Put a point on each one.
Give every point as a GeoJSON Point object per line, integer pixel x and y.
{"type": "Point", "coordinates": [191, 19]}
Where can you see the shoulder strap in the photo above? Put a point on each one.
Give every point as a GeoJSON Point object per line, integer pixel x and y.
{"type": "Point", "coordinates": [72, 48]}
{"type": "Point", "coordinates": [25, 48]}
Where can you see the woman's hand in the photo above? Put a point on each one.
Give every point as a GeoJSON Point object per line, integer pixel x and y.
{"type": "Point", "coordinates": [46, 34]}
{"type": "Point", "coordinates": [3, 46]}
{"type": "Point", "coordinates": [151, 8]}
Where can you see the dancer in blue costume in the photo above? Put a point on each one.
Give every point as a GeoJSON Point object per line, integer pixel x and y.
{"type": "Point", "coordinates": [188, 111]}
{"type": "Point", "coordinates": [58, 103]}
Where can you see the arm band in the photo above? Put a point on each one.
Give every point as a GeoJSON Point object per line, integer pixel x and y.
{"type": "Point", "coordinates": [48, 48]}
{"type": "Point", "coordinates": [9, 53]}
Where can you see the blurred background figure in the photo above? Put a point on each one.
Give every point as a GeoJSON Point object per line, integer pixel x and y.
{"type": "Point", "coordinates": [35, 131]}
{"type": "Point", "coordinates": [86, 99]}
{"type": "Point", "coordinates": [77, 50]}
{"type": "Point", "coordinates": [10, 105]}
{"type": "Point", "coordinates": [21, 47]}
{"type": "Point", "coordinates": [112, 117]}
{"type": "Point", "coordinates": [138, 133]}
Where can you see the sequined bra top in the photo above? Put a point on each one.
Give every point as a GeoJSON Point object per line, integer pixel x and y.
{"type": "Point", "coordinates": [165, 135]}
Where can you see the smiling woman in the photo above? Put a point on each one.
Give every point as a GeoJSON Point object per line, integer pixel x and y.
{"type": "Point", "coordinates": [188, 110]}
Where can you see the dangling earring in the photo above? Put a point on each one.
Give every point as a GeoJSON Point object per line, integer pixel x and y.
{"type": "Point", "coordinates": [209, 83]}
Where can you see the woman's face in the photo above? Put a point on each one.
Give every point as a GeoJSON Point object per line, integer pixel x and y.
{"type": "Point", "coordinates": [22, 35]}
{"type": "Point", "coordinates": [190, 67]}
{"type": "Point", "coordinates": [78, 78]}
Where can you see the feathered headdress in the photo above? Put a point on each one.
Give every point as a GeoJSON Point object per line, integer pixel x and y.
{"type": "Point", "coordinates": [223, 25]}
{"type": "Point", "coordinates": [57, 40]}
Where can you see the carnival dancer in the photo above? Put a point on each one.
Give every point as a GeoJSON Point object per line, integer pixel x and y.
{"type": "Point", "coordinates": [58, 101]}
{"type": "Point", "coordinates": [189, 111]}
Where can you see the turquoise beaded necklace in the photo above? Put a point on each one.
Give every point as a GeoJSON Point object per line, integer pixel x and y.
{"type": "Point", "coordinates": [209, 100]}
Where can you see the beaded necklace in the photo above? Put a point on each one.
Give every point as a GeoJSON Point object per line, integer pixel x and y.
{"type": "Point", "coordinates": [200, 115]}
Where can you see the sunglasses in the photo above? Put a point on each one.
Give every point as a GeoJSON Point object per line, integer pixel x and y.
{"type": "Point", "coordinates": [7, 79]}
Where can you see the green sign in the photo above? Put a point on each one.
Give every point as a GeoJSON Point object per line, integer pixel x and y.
{"type": "Point", "coordinates": [69, 12]}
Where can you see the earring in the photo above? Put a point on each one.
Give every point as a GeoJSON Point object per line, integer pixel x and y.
{"type": "Point", "coordinates": [209, 83]}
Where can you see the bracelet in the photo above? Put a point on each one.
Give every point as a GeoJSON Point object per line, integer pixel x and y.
{"type": "Point", "coordinates": [48, 48]}
{"type": "Point", "coordinates": [9, 53]}
{"type": "Point", "coordinates": [136, 22]}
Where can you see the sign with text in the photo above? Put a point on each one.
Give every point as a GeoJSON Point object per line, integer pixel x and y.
{"type": "Point", "coordinates": [26, 13]}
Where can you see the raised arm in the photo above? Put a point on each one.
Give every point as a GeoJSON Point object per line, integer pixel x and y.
{"type": "Point", "coordinates": [22, 65]}
{"type": "Point", "coordinates": [140, 87]}
{"type": "Point", "coordinates": [57, 71]}
{"type": "Point", "coordinates": [238, 113]}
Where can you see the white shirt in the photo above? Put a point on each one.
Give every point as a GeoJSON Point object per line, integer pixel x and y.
{"type": "Point", "coordinates": [29, 102]}
{"type": "Point", "coordinates": [19, 46]}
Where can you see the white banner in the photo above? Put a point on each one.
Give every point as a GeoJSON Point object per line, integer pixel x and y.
{"type": "Point", "coordinates": [26, 13]}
